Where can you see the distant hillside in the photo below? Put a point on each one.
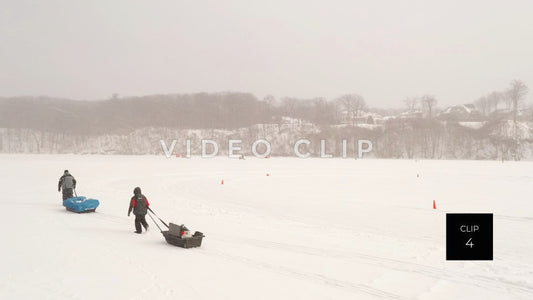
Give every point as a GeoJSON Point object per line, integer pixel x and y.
{"type": "Point", "coordinates": [136, 125]}
{"type": "Point", "coordinates": [223, 110]}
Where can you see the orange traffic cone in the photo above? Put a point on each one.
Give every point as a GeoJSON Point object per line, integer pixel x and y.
{"type": "Point", "coordinates": [434, 205]}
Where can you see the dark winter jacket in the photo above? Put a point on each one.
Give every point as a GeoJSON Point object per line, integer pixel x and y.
{"type": "Point", "coordinates": [139, 204]}
{"type": "Point", "coordinates": [66, 181]}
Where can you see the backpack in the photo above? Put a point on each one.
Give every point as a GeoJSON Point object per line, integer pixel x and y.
{"type": "Point", "coordinates": [68, 182]}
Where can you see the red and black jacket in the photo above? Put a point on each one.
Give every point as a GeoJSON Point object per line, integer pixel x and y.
{"type": "Point", "coordinates": [139, 204]}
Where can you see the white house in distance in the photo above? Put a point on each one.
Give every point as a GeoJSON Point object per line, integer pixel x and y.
{"type": "Point", "coordinates": [362, 117]}
{"type": "Point", "coordinates": [460, 112]}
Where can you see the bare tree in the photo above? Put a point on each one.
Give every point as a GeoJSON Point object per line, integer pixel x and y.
{"type": "Point", "coordinates": [289, 106]}
{"type": "Point", "coordinates": [322, 112]}
{"type": "Point", "coordinates": [270, 100]}
{"type": "Point", "coordinates": [353, 105]}
{"type": "Point", "coordinates": [266, 112]}
{"type": "Point", "coordinates": [516, 94]}
{"type": "Point", "coordinates": [428, 102]}
{"type": "Point", "coordinates": [483, 105]}
{"type": "Point", "coordinates": [507, 100]}
{"type": "Point", "coordinates": [411, 103]}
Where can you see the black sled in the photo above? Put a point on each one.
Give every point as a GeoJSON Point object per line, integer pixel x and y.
{"type": "Point", "coordinates": [178, 235]}
{"type": "Point", "coordinates": [175, 236]}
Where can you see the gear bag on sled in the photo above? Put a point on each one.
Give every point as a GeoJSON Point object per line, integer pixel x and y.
{"type": "Point", "coordinates": [81, 204]}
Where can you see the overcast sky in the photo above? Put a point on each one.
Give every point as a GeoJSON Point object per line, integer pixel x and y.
{"type": "Point", "coordinates": [383, 50]}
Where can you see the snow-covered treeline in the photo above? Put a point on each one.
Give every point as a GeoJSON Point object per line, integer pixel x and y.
{"type": "Point", "coordinates": [394, 139]}
{"type": "Point", "coordinates": [136, 125]}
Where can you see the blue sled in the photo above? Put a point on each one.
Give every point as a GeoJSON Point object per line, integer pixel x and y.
{"type": "Point", "coordinates": [81, 204]}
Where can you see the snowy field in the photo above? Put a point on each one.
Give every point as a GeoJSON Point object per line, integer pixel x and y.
{"type": "Point", "coordinates": [313, 229]}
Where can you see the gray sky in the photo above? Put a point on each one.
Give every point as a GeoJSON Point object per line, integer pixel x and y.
{"type": "Point", "coordinates": [383, 50]}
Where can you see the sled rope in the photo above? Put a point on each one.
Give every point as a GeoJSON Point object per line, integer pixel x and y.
{"type": "Point", "coordinates": [158, 217]}
{"type": "Point", "coordinates": [150, 215]}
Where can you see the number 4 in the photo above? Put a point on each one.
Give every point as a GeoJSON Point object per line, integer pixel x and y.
{"type": "Point", "coordinates": [469, 243]}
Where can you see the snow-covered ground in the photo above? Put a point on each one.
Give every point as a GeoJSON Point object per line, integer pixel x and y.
{"type": "Point", "coordinates": [313, 229]}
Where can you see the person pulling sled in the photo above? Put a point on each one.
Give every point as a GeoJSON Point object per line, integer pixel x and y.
{"type": "Point", "coordinates": [139, 205]}
{"type": "Point", "coordinates": [67, 183]}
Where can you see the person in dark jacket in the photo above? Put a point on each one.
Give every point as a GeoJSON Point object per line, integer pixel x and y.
{"type": "Point", "coordinates": [139, 204]}
{"type": "Point", "coordinates": [67, 183]}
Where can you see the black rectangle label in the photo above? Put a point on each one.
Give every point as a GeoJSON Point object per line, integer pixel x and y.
{"type": "Point", "coordinates": [469, 236]}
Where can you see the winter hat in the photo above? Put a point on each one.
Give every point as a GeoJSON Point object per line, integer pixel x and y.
{"type": "Point", "coordinates": [137, 191]}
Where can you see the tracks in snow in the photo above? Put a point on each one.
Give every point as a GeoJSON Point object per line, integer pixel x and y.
{"type": "Point", "coordinates": [479, 280]}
